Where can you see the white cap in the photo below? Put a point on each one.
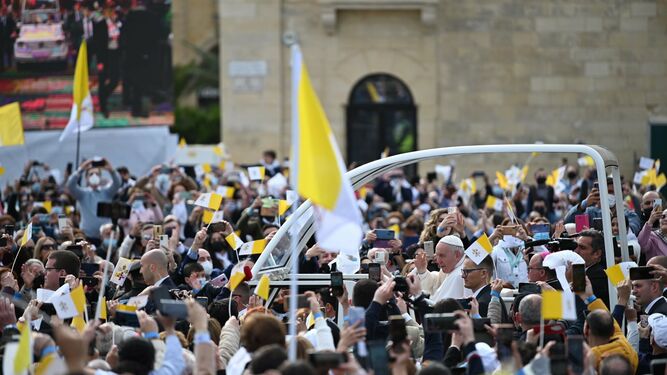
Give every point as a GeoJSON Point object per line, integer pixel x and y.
{"type": "Point", "coordinates": [451, 240]}
{"type": "Point", "coordinates": [658, 323]}
{"type": "Point", "coordinates": [562, 258]}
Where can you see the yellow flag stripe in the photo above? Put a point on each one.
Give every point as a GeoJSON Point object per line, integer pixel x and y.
{"type": "Point", "coordinates": [235, 280]}
{"type": "Point", "coordinates": [552, 304]}
{"type": "Point", "coordinates": [81, 78]}
{"type": "Point", "coordinates": [484, 242]}
{"type": "Point", "coordinates": [23, 357]}
{"type": "Point", "coordinates": [319, 176]}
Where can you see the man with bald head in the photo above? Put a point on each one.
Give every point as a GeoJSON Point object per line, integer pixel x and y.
{"type": "Point", "coordinates": [155, 269]}
{"type": "Point", "coordinates": [660, 260]}
{"type": "Point", "coordinates": [647, 205]}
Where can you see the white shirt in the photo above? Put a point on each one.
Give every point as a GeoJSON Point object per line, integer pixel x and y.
{"type": "Point", "coordinates": [504, 269]}
{"type": "Point", "coordinates": [237, 364]}
{"type": "Point", "coordinates": [452, 286]}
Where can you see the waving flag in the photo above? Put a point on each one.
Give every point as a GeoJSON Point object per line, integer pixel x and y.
{"type": "Point", "coordinates": [82, 117]}
{"type": "Point", "coordinates": [317, 171]}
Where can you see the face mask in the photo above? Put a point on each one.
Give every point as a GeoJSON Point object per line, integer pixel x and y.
{"type": "Point", "coordinates": [57, 210]}
{"type": "Point", "coordinates": [36, 187]}
{"type": "Point", "coordinates": [107, 241]}
{"type": "Point", "coordinates": [147, 237]}
{"type": "Point", "coordinates": [208, 267]}
{"type": "Point", "coordinates": [541, 180]}
{"type": "Point", "coordinates": [94, 180]}
{"type": "Point", "coordinates": [202, 281]}
{"type": "Point", "coordinates": [612, 201]}
{"type": "Point", "coordinates": [572, 175]}
{"type": "Point", "coordinates": [163, 183]}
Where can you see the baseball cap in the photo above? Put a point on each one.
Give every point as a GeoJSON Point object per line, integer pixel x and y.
{"type": "Point", "coordinates": [658, 323]}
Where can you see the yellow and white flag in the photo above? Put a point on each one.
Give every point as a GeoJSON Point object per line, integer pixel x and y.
{"type": "Point", "coordinates": [236, 279]}
{"type": "Point", "coordinates": [11, 131]}
{"type": "Point", "coordinates": [234, 241]}
{"type": "Point", "coordinates": [493, 202]}
{"type": "Point", "coordinates": [212, 216]}
{"type": "Point", "coordinates": [254, 247]}
{"type": "Point", "coordinates": [262, 289]}
{"type": "Point", "coordinates": [479, 249]}
{"type": "Point", "coordinates": [256, 173]}
{"type": "Point", "coordinates": [619, 272]}
{"type": "Point", "coordinates": [27, 234]}
{"type": "Point", "coordinates": [209, 200]}
{"type": "Point", "coordinates": [225, 191]}
{"type": "Point", "coordinates": [317, 171]}
{"type": "Point", "coordinates": [558, 305]}
{"type": "Point", "coordinates": [81, 117]}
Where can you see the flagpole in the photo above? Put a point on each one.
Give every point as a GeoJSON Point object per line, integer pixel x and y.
{"type": "Point", "coordinates": [78, 143]}
{"type": "Point", "coordinates": [98, 308]}
{"type": "Point", "coordinates": [541, 330]}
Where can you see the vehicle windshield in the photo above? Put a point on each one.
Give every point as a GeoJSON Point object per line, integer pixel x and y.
{"type": "Point", "coordinates": [40, 12]}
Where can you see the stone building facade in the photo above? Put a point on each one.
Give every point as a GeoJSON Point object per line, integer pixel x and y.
{"type": "Point", "coordinates": [477, 72]}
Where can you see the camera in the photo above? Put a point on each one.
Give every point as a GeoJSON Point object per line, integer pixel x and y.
{"type": "Point", "coordinates": [114, 210]}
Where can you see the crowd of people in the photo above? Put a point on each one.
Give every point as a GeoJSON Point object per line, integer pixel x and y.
{"type": "Point", "coordinates": [427, 305]}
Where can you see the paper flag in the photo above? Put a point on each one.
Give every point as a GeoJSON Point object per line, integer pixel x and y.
{"type": "Point", "coordinates": [181, 143]}
{"type": "Point", "coordinates": [64, 306]}
{"type": "Point", "coordinates": [103, 309]}
{"type": "Point", "coordinates": [206, 167]}
{"type": "Point", "coordinates": [120, 271]}
{"type": "Point", "coordinates": [586, 161]}
{"type": "Point", "coordinates": [479, 249]}
{"type": "Point", "coordinates": [254, 247]}
{"type": "Point", "coordinates": [79, 298]}
{"type": "Point", "coordinates": [495, 203]}
{"type": "Point", "coordinates": [262, 289]}
{"type": "Point", "coordinates": [558, 305]}
{"type": "Point", "coordinates": [46, 205]}
{"type": "Point", "coordinates": [256, 173]}
{"type": "Point", "coordinates": [619, 272]}
{"type": "Point", "coordinates": [27, 234]}
{"type": "Point", "coordinates": [291, 196]}
{"type": "Point", "coordinates": [212, 216]}
{"type": "Point", "coordinates": [23, 358]}
{"type": "Point", "coordinates": [283, 206]}
{"type": "Point", "coordinates": [209, 200]}
{"type": "Point", "coordinates": [217, 150]}
{"type": "Point", "coordinates": [310, 320]}
{"type": "Point", "coordinates": [138, 301]}
{"type": "Point", "coordinates": [234, 241]}
{"type": "Point", "coordinates": [444, 170]}
{"type": "Point", "coordinates": [502, 180]}
{"type": "Point", "coordinates": [79, 323]}
{"type": "Point", "coordinates": [2, 170]}
{"type": "Point", "coordinates": [396, 228]}
{"type": "Point", "coordinates": [660, 181]}
{"type": "Point", "coordinates": [235, 280]}
{"type": "Point", "coordinates": [225, 191]}
{"type": "Point", "coordinates": [646, 163]}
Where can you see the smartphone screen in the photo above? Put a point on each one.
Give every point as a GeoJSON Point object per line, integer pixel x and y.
{"type": "Point", "coordinates": [337, 284]}
{"type": "Point", "coordinates": [397, 331]}
{"type": "Point", "coordinates": [657, 203]}
{"type": "Point", "coordinates": [429, 249]}
{"type": "Point", "coordinates": [581, 222]}
{"type": "Point", "coordinates": [575, 350]}
{"type": "Point", "coordinates": [578, 277]}
{"type": "Point", "coordinates": [157, 231]}
{"type": "Point", "coordinates": [379, 357]}
{"type": "Point", "coordinates": [356, 314]}
{"type": "Point", "coordinates": [62, 222]}
{"type": "Point", "coordinates": [464, 302]}
{"type": "Point", "coordinates": [529, 288]}
{"type": "Point", "coordinates": [440, 322]}
{"type": "Point", "coordinates": [374, 272]}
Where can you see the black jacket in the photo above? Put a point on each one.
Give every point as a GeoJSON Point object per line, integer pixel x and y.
{"type": "Point", "coordinates": [659, 307]}
{"type": "Point", "coordinates": [483, 299]}
{"type": "Point", "coordinates": [598, 279]}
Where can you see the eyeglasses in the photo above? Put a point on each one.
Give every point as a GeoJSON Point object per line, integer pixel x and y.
{"type": "Point", "coordinates": [465, 273]}
{"type": "Point", "coordinates": [48, 246]}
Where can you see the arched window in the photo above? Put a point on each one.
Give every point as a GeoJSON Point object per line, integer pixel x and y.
{"type": "Point", "coordinates": [381, 117]}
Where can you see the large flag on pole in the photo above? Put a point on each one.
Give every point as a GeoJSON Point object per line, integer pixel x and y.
{"type": "Point", "coordinates": [82, 117]}
{"type": "Point", "coordinates": [317, 171]}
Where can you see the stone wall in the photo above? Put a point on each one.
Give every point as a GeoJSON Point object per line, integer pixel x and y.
{"type": "Point", "coordinates": [488, 71]}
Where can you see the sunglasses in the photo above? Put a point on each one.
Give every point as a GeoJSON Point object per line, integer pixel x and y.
{"type": "Point", "coordinates": [465, 272]}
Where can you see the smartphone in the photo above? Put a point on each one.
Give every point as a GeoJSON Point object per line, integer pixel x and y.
{"type": "Point", "coordinates": [3, 241]}
{"type": "Point", "coordinates": [529, 288]}
{"type": "Point", "coordinates": [327, 360]}
{"type": "Point", "coordinates": [374, 272]}
{"type": "Point", "coordinates": [464, 302]}
{"type": "Point", "coordinates": [157, 231]}
{"type": "Point", "coordinates": [381, 258]}
{"type": "Point", "coordinates": [302, 302]}
{"type": "Point", "coordinates": [62, 222]}
{"type": "Point", "coordinates": [216, 227]}
{"type": "Point", "coordinates": [658, 366]}
{"type": "Point", "coordinates": [429, 249]}
{"type": "Point", "coordinates": [98, 163]}
{"type": "Point", "coordinates": [174, 308]}
{"type": "Point", "coordinates": [89, 281]}
{"type": "Point", "coordinates": [383, 238]}
{"type": "Point", "coordinates": [597, 224]}
{"type": "Point", "coordinates": [657, 203]}
{"type": "Point", "coordinates": [451, 210]}
{"type": "Point", "coordinates": [397, 331]}
{"type": "Point", "coordinates": [641, 273]}
{"type": "Point", "coordinates": [115, 210]}
{"type": "Point", "coordinates": [203, 301]}
{"type": "Point", "coordinates": [90, 268]}
{"type": "Point", "coordinates": [401, 285]}
{"type": "Point", "coordinates": [559, 363]}
{"type": "Point", "coordinates": [337, 284]}
{"type": "Point", "coordinates": [76, 249]}
{"type": "Point", "coordinates": [379, 357]}
{"type": "Point", "coordinates": [481, 334]}
{"type": "Point", "coordinates": [578, 278]}
{"type": "Point", "coordinates": [596, 185]}
{"type": "Point", "coordinates": [575, 350]}
{"type": "Point", "coordinates": [125, 318]}
{"type": "Point", "coordinates": [68, 169]}
{"type": "Point", "coordinates": [356, 314]}
{"type": "Point", "coordinates": [581, 222]}
{"type": "Point", "coordinates": [508, 230]}
{"type": "Point", "coordinates": [219, 281]}
{"type": "Point", "coordinates": [164, 242]}
{"type": "Point", "coordinates": [269, 207]}
{"type": "Point", "coordinates": [440, 322]}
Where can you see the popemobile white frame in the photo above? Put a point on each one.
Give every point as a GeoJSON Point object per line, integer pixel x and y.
{"type": "Point", "coordinates": [301, 221]}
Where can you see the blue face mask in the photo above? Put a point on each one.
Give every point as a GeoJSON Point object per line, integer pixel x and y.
{"type": "Point", "coordinates": [57, 210]}
{"type": "Point", "coordinates": [107, 241]}
{"type": "Point", "coordinates": [36, 187]}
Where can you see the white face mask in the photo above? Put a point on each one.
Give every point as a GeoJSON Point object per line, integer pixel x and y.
{"type": "Point", "coordinates": [94, 180]}
{"type": "Point", "coordinates": [208, 267]}
{"type": "Point", "coordinates": [612, 201]}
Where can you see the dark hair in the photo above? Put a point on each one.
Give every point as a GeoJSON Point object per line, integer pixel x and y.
{"type": "Point", "coordinates": [412, 249]}
{"type": "Point", "coordinates": [487, 264]}
{"type": "Point", "coordinates": [270, 357]}
{"type": "Point", "coordinates": [615, 364]}
{"type": "Point", "coordinates": [297, 368]}
{"type": "Point", "coordinates": [191, 268]}
{"type": "Point", "coordinates": [327, 297]}
{"type": "Point", "coordinates": [597, 241]}
{"type": "Point", "coordinates": [135, 355]}
{"type": "Point", "coordinates": [600, 323]}
{"type": "Point", "coordinates": [447, 305]}
{"type": "Point", "coordinates": [434, 368]}
{"type": "Point", "coordinates": [363, 293]}
{"type": "Point", "coordinates": [66, 260]}
{"type": "Point", "coordinates": [270, 153]}
{"type": "Point", "coordinates": [219, 310]}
